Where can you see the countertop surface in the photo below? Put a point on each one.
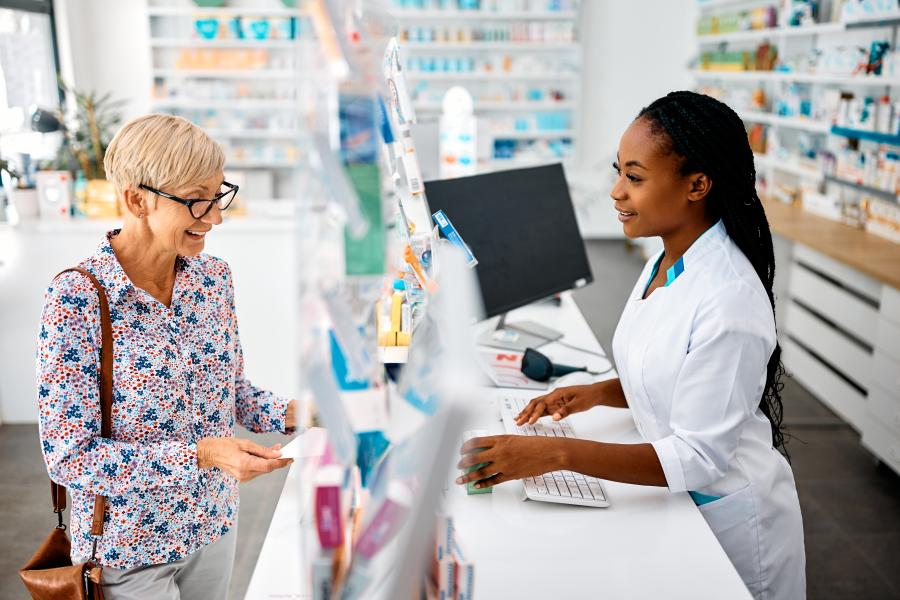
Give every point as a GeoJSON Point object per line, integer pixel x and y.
{"type": "Point", "coordinates": [875, 256]}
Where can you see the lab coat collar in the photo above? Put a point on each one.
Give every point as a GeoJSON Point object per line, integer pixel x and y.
{"type": "Point", "coordinates": [709, 240]}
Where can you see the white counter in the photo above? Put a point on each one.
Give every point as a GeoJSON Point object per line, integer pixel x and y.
{"type": "Point", "coordinates": [649, 543]}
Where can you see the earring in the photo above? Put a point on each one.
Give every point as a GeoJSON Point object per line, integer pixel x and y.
{"type": "Point", "coordinates": [141, 216]}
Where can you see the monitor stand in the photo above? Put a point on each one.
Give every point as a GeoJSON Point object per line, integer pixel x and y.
{"type": "Point", "coordinates": [518, 336]}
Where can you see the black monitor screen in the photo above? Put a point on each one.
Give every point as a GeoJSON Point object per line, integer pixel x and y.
{"type": "Point", "coordinates": [521, 227]}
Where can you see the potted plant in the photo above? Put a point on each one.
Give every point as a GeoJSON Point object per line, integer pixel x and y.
{"type": "Point", "coordinates": [87, 130]}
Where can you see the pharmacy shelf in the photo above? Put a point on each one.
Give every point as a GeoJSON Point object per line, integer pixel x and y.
{"type": "Point", "coordinates": [222, 11]}
{"type": "Point", "coordinates": [492, 77]}
{"type": "Point", "coordinates": [483, 15]}
{"type": "Point", "coordinates": [277, 74]}
{"type": "Point", "coordinates": [257, 134]}
{"type": "Point", "coordinates": [734, 4]}
{"type": "Point", "coordinates": [869, 136]}
{"type": "Point", "coordinates": [259, 164]}
{"type": "Point", "coordinates": [487, 46]}
{"type": "Point", "coordinates": [532, 135]}
{"type": "Point", "coordinates": [885, 20]}
{"type": "Point", "coordinates": [786, 122]}
{"type": "Point", "coordinates": [787, 166]}
{"type": "Point", "coordinates": [200, 43]}
{"type": "Point", "coordinates": [235, 104]}
{"type": "Point", "coordinates": [753, 76]}
{"type": "Point", "coordinates": [773, 32]}
{"type": "Point", "coordinates": [861, 187]}
{"type": "Point", "coordinates": [486, 105]}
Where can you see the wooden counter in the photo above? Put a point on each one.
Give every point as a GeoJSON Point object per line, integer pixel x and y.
{"type": "Point", "coordinates": [877, 257]}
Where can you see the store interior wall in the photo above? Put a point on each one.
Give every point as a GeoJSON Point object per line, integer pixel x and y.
{"type": "Point", "coordinates": [629, 61]}
{"type": "Point", "coordinates": [104, 47]}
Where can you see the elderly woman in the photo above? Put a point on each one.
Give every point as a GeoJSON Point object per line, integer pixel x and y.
{"type": "Point", "coordinates": [172, 468]}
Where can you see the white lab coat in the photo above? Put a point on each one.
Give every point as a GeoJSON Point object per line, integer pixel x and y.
{"type": "Point", "coordinates": [692, 360]}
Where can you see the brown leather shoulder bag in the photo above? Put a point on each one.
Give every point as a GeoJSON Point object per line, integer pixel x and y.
{"type": "Point", "coordinates": [50, 574]}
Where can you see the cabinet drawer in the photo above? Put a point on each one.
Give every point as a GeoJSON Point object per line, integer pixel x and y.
{"type": "Point", "coordinates": [886, 373]}
{"type": "Point", "coordinates": [890, 304]}
{"type": "Point", "coordinates": [834, 392]}
{"type": "Point", "coordinates": [838, 305]}
{"type": "Point", "coordinates": [884, 409]}
{"type": "Point", "coordinates": [831, 344]}
{"type": "Point", "coordinates": [848, 276]}
{"type": "Point", "coordinates": [888, 338]}
{"type": "Point", "coordinates": [884, 443]}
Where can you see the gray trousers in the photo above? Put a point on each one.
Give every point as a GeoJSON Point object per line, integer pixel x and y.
{"type": "Point", "coordinates": [204, 574]}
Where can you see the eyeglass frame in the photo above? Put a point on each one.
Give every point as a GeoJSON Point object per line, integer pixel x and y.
{"type": "Point", "coordinates": [232, 187]}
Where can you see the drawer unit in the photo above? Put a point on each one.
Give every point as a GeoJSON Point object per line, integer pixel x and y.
{"type": "Point", "coordinates": [885, 409]}
{"type": "Point", "coordinates": [883, 442]}
{"type": "Point", "coordinates": [840, 352]}
{"type": "Point", "coordinates": [841, 397]}
{"type": "Point", "coordinates": [844, 308]}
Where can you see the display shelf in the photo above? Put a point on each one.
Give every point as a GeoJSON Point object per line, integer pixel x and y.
{"type": "Point", "coordinates": [822, 78]}
{"type": "Point", "coordinates": [787, 122]}
{"type": "Point", "coordinates": [492, 77]}
{"type": "Point", "coordinates": [533, 135]}
{"type": "Point", "coordinates": [773, 32]}
{"type": "Point", "coordinates": [869, 136]}
{"type": "Point", "coordinates": [222, 11]}
{"type": "Point", "coordinates": [734, 4]}
{"type": "Point", "coordinates": [257, 134]}
{"type": "Point", "coordinates": [877, 21]}
{"type": "Point", "coordinates": [260, 164]}
{"type": "Point", "coordinates": [484, 46]}
{"type": "Point", "coordinates": [228, 104]}
{"type": "Point", "coordinates": [483, 15]}
{"type": "Point", "coordinates": [491, 105]}
{"type": "Point", "coordinates": [861, 187]}
{"type": "Point", "coordinates": [787, 166]}
{"type": "Point", "coordinates": [233, 43]}
{"type": "Point", "coordinates": [275, 74]}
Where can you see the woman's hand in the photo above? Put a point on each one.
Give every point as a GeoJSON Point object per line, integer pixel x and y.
{"type": "Point", "coordinates": [510, 457]}
{"type": "Point", "coordinates": [560, 403]}
{"type": "Point", "coordinates": [240, 458]}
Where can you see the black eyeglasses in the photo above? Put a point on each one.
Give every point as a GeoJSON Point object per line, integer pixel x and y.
{"type": "Point", "coordinates": [200, 208]}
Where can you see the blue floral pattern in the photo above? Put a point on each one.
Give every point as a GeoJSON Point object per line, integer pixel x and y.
{"type": "Point", "coordinates": [178, 377]}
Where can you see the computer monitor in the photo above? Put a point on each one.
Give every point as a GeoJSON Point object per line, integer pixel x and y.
{"type": "Point", "coordinates": [521, 227]}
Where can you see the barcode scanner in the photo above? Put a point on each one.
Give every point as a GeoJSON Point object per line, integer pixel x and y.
{"type": "Point", "coordinates": [539, 367]}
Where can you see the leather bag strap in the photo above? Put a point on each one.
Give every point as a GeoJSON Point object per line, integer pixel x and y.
{"type": "Point", "coordinates": [106, 381]}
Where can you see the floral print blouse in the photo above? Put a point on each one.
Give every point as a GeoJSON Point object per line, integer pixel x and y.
{"type": "Point", "coordinates": [178, 376]}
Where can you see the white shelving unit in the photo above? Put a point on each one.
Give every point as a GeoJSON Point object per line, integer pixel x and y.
{"type": "Point", "coordinates": [831, 315]}
{"type": "Point", "coordinates": [244, 91]}
{"type": "Point", "coordinates": [493, 73]}
{"type": "Point", "coordinates": [821, 78]}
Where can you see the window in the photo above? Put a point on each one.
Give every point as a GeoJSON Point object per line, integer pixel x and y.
{"type": "Point", "coordinates": [28, 77]}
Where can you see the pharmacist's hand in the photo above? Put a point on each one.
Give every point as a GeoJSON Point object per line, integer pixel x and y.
{"type": "Point", "coordinates": [242, 459]}
{"type": "Point", "coordinates": [508, 457]}
{"type": "Point", "coordinates": [559, 404]}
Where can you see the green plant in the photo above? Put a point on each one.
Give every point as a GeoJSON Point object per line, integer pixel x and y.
{"type": "Point", "coordinates": [88, 129]}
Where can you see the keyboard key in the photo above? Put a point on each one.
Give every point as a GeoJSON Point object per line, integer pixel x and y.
{"type": "Point", "coordinates": [585, 490]}
{"type": "Point", "coordinates": [551, 487]}
{"type": "Point", "coordinates": [597, 491]}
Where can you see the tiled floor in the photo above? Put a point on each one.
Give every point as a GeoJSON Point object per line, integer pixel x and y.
{"type": "Point", "coordinates": [851, 505]}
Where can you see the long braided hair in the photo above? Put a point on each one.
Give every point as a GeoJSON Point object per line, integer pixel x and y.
{"type": "Point", "coordinates": [710, 138]}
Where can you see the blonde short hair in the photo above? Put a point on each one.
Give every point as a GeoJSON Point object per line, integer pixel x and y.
{"type": "Point", "coordinates": [161, 151]}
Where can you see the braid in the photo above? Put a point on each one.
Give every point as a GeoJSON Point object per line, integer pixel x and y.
{"type": "Point", "coordinates": [711, 139]}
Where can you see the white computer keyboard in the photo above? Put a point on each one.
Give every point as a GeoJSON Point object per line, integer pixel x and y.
{"type": "Point", "coordinates": [563, 487]}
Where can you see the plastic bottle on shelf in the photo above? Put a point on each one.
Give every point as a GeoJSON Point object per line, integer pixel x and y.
{"type": "Point", "coordinates": [883, 117]}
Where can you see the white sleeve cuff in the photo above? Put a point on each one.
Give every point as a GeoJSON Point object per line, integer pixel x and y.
{"type": "Point", "coordinates": [671, 464]}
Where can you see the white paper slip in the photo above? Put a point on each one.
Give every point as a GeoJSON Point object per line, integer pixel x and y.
{"type": "Point", "coordinates": [308, 445]}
